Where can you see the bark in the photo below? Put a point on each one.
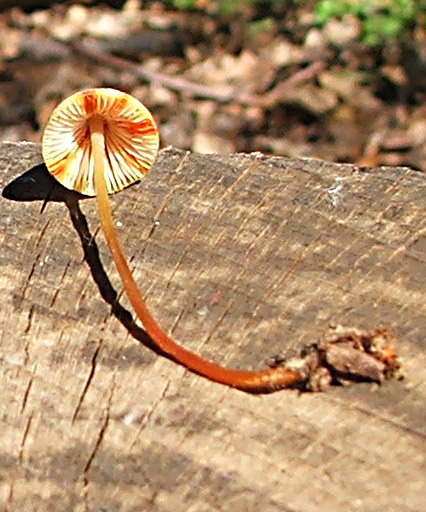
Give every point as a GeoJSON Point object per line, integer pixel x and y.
{"type": "Point", "coordinates": [242, 258]}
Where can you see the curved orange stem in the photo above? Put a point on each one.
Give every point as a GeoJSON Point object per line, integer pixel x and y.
{"type": "Point", "coordinates": [265, 380]}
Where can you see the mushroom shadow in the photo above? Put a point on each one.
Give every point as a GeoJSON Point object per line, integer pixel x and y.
{"type": "Point", "coordinates": [37, 184]}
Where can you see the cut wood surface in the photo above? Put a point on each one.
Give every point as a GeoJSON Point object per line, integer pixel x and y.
{"type": "Point", "coordinates": [241, 258]}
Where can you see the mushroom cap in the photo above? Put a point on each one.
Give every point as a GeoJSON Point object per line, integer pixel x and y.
{"type": "Point", "coordinates": [131, 140]}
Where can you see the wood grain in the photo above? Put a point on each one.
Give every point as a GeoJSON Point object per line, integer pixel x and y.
{"type": "Point", "coordinates": [241, 257]}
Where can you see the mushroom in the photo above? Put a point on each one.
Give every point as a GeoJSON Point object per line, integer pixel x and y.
{"type": "Point", "coordinates": [97, 142]}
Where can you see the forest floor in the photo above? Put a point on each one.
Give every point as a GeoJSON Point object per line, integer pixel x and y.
{"type": "Point", "coordinates": [263, 80]}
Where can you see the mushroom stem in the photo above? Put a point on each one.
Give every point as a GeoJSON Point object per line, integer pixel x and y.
{"type": "Point", "coordinates": [265, 380]}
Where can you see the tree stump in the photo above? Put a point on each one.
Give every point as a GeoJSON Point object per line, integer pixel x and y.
{"type": "Point", "coordinates": [241, 258]}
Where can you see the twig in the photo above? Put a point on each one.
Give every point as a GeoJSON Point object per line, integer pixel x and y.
{"type": "Point", "coordinates": [275, 95]}
{"type": "Point", "coordinates": [224, 95]}
{"type": "Point", "coordinates": [43, 48]}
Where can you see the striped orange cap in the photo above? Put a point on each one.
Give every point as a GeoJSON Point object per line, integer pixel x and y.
{"type": "Point", "coordinates": [131, 140]}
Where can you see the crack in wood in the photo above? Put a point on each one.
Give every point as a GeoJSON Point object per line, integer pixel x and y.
{"type": "Point", "coordinates": [26, 394]}
{"type": "Point", "coordinates": [61, 280]}
{"type": "Point", "coordinates": [156, 221]}
{"type": "Point", "coordinates": [42, 233]}
{"type": "Point", "coordinates": [99, 439]}
{"type": "Point", "coordinates": [30, 319]}
{"type": "Point", "coordinates": [146, 417]}
{"type": "Point", "coordinates": [238, 181]}
{"type": "Point", "coordinates": [28, 338]}
{"type": "Point", "coordinates": [10, 495]}
{"type": "Point", "coordinates": [24, 438]}
{"type": "Point", "coordinates": [98, 442]}
{"type": "Point", "coordinates": [29, 277]}
{"type": "Point", "coordinates": [182, 162]}
{"type": "Point", "coordinates": [177, 319]}
{"type": "Point", "coordinates": [88, 380]}
{"type": "Point", "coordinates": [346, 250]}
